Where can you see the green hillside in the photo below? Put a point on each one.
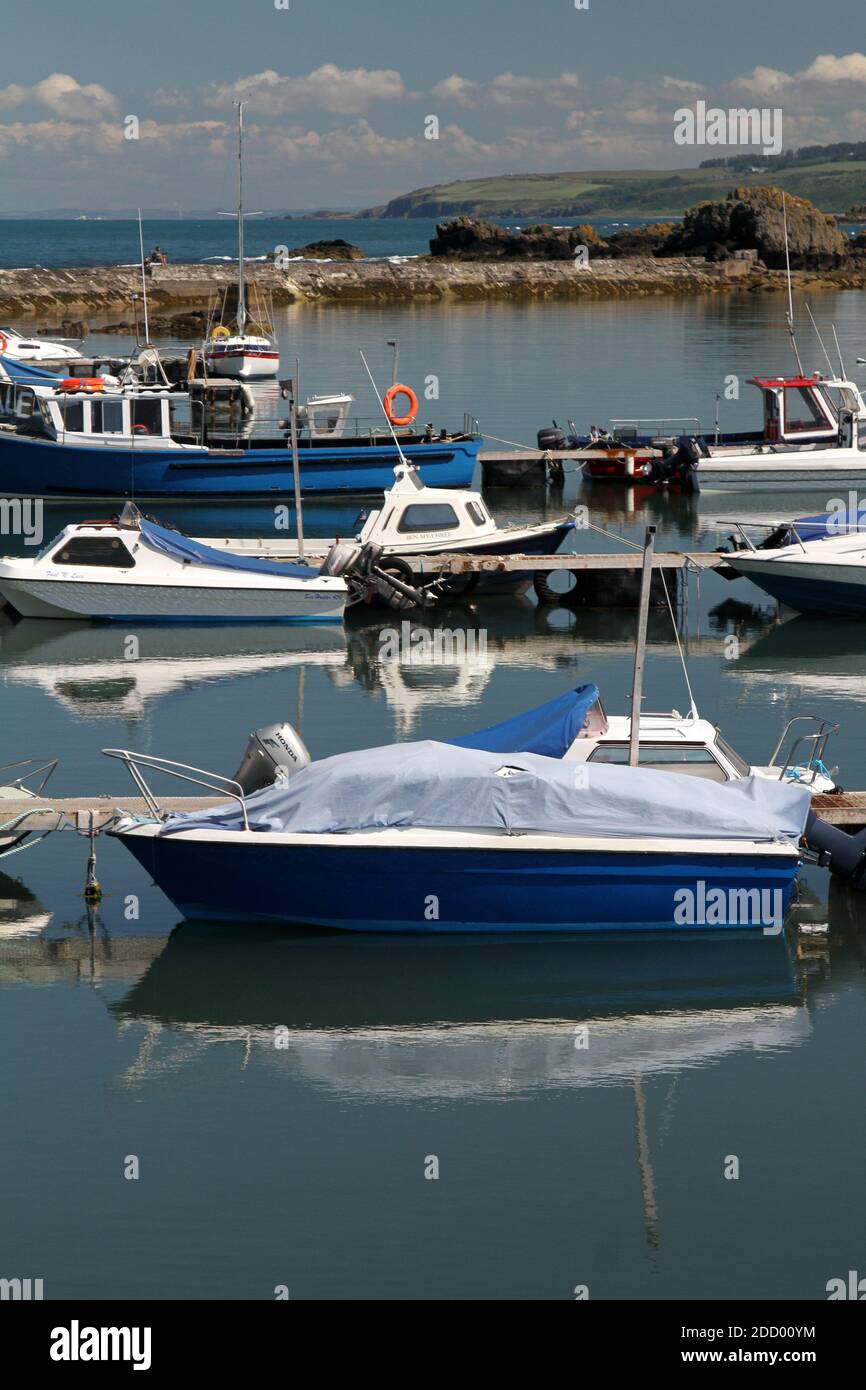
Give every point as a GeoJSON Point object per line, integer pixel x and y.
{"type": "Point", "coordinates": [832, 185]}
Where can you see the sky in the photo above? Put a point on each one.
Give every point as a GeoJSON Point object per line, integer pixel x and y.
{"type": "Point", "coordinates": [341, 92]}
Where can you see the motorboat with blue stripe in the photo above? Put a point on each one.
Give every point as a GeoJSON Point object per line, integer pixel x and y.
{"type": "Point", "coordinates": [816, 564]}
{"type": "Point", "coordinates": [428, 837]}
{"type": "Point", "coordinates": [516, 828]}
{"type": "Point", "coordinates": [131, 569]}
{"type": "Point", "coordinates": [102, 439]}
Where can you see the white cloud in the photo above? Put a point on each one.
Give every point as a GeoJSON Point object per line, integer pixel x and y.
{"type": "Point", "coordinates": [828, 68]}
{"type": "Point", "coordinates": [763, 82]}
{"type": "Point", "coordinates": [344, 91]}
{"type": "Point", "coordinates": [509, 89]}
{"type": "Point", "coordinates": [63, 96]}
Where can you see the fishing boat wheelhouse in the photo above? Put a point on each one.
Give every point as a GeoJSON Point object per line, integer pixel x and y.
{"type": "Point", "coordinates": [86, 438]}
{"type": "Point", "coordinates": [813, 429]}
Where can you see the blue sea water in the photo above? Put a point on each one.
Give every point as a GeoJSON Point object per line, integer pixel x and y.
{"type": "Point", "coordinates": [60, 242]}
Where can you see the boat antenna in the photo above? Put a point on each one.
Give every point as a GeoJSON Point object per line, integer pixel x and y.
{"type": "Point", "coordinates": [143, 279]}
{"type": "Point", "coordinates": [842, 371]}
{"type": "Point", "coordinates": [403, 459]}
{"type": "Point", "coordinates": [820, 339]}
{"type": "Point", "coordinates": [790, 297]}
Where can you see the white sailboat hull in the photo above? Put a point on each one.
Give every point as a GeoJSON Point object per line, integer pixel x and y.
{"type": "Point", "coordinates": [808, 467]}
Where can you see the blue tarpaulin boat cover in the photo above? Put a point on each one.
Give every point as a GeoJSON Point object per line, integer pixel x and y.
{"type": "Point", "coordinates": [549, 729]}
{"type": "Point", "coordinates": [181, 547]}
{"type": "Point", "coordinates": [26, 374]}
{"type": "Point", "coordinates": [826, 524]}
{"type": "Point", "coordinates": [434, 785]}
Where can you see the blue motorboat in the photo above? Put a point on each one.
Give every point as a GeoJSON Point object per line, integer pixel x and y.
{"type": "Point", "coordinates": [86, 438]}
{"type": "Point", "coordinates": [429, 837]}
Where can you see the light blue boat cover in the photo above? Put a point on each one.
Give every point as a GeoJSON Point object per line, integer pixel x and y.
{"type": "Point", "coordinates": [436, 785]}
{"type": "Point", "coordinates": [181, 547]}
{"type": "Point", "coordinates": [549, 729]}
{"type": "Point", "coordinates": [818, 528]}
{"type": "Point", "coordinates": [26, 374]}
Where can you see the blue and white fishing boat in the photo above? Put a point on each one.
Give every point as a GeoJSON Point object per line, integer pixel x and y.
{"type": "Point", "coordinates": [429, 837]}
{"type": "Point", "coordinates": [89, 438]}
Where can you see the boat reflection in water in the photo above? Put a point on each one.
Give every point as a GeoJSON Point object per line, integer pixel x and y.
{"type": "Point", "coordinates": [86, 669]}
{"type": "Point", "coordinates": [393, 1018]}
{"type": "Point", "coordinates": [21, 913]}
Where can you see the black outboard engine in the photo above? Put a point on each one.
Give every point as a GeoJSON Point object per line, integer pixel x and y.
{"type": "Point", "coordinates": [551, 437]}
{"type": "Point", "coordinates": [272, 755]}
{"type": "Point", "coordinates": [843, 854]}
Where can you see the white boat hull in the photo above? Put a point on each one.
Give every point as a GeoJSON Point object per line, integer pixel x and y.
{"type": "Point", "coordinates": [243, 366]}
{"type": "Point", "coordinates": [805, 467]}
{"type": "Point", "coordinates": [129, 602]}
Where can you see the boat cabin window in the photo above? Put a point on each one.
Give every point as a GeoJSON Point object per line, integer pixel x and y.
{"type": "Point", "coordinates": [94, 550]}
{"type": "Point", "coordinates": [72, 414]}
{"type": "Point", "coordinates": [146, 417]}
{"type": "Point", "coordinates": [476, 513]}
{"type": "Point", "coordinates": [733, 758]}
{"type": "Point", "coordinates": [695, 760]}
{"type": "Point", "coordinates": [106, 417]}
{"type": "Point", "coordinates": [802, 411]}
{"type": "Point", "coordinates": [26, 403]}
{"type": "Point", "coordinates": [428, 516]}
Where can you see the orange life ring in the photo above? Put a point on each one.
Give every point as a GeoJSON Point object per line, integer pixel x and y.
{"type": "Point", "coordinates": [82, 383]}
{"type": "Point", "coordinates": [388, 402]}
{"type": "Point", "coordinates": [4, 342]}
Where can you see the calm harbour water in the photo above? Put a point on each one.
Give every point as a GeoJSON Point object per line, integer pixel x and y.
{"type": "Point", "coordinates": [304, 1165]}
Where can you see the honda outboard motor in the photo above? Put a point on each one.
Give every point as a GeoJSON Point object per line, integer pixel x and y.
{"type": "Point", "coordinates": [272, 755]}
{"type": "Point", "coordinates": [843, 854]}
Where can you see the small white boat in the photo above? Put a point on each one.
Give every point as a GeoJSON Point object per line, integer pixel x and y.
{"type": "Point", "coordinates": [416, 520]}
{"type": "Point", "coordinates": [13, 344]}
{"type": "Point", "coordinates": [814, 565]}
{"type": "Point", "coordinates": [242, 356]}
{"type": "Point", "coordinates": [244, 350]}
{"type": "Point", "coordinates": [132, 570]}
{"type": "Point", "coordinates": [576, 728]}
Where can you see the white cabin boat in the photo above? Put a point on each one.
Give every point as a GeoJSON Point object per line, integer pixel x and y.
{"type": "Point", "coordinates": [814, 565]}
{"type": "Point", "coordinates": [13, 344]}
{"type": "Point", "coordinates": [131, 570]}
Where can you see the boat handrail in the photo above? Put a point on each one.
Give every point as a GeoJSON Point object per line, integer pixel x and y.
{"type": "Point", "coordinates": [213, 781]}
{"type": "Point", "coordinates": [817, 740]}
{"type": "Point", "coordinates": [46, 767]}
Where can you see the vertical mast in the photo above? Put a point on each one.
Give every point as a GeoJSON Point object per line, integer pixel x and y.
{"type": "Point", "coordinates": [143, 280]}
{"type": "Point", "coordinates": [242, 307]}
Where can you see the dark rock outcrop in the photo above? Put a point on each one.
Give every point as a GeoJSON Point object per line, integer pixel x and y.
{"type": "Point", "coordinates": [472, 239]}
{"type": "Point", "coordinates": [337, 250]}
{"type": "Point", "coordinates": [752, 218]}
{"type": "Point", "coordinates": [640, 241]}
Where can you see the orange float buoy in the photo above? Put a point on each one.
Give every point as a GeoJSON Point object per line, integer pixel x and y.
{"type": "Point", "coordinates": [390, 396]}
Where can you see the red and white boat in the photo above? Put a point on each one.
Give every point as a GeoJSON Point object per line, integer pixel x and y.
{"type": "Point", "coordinates": [231, 350]}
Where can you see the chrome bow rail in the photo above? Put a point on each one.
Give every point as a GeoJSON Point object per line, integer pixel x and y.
{"type": "Point", "coordinates": [36, 768]}
{"type": "Point", "coordinates": [213, 781]}
{"type": "Point", "coordinates": [815, 743]}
